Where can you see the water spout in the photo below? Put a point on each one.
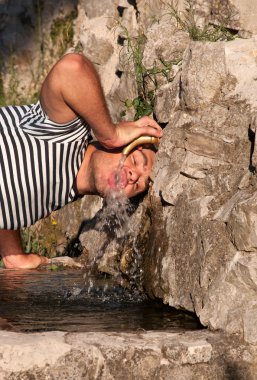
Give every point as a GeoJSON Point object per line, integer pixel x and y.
{"type": "Point", "coordinates": [139, 141]}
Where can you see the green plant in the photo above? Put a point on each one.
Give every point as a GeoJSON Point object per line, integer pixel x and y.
{"type": "Point", "coordinates": [145, 78]}
{"type": "Point", "coordinates": [142, 106]}
{"type": "Point", "coordinates": [56, 268]}
{"type": "Point", "coordinates": [187, 21]}
{"type": "Point", "coordinates": [62, 32]}
{"type": "Point", "coordinates": [31, 242]}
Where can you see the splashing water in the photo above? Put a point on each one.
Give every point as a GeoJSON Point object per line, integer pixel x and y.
{"type": "Point", "coordinates": [112, 222]}
{"type": "Point", "coordinates": [118, 180]}
{"type": "Point", "coordinates": [117, 205]}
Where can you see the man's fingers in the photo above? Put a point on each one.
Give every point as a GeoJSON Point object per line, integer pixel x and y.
{"type": "Point", "coordinates": [130, 130]}
{"type": "Point", "coordinates": [147, 123]}
{"type": "Point", "coordinates": [150, 131]}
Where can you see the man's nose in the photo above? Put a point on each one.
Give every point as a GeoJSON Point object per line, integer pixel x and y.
{"type": "Point", "coordinates": [133, 176]}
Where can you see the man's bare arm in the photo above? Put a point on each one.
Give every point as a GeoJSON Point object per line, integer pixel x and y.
{"type": "Point", "coordinates": [13, 255]}
{"type": "Point", "coordinates": [73, 88]}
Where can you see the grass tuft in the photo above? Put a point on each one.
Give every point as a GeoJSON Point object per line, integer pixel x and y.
{"type": "Point", "coordinates": [187, 21]}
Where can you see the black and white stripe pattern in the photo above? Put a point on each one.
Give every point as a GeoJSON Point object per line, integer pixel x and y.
{"type": "Point", "coordinates": [39, 161]}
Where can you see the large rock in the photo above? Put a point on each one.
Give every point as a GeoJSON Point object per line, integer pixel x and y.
{"type": "Point", "coordinates": [239, 15]}
{"type": "Point", "coordinates": [58, 234]}
{"type": "Point", "coordinates": [203, 235]}
{"type": "Point", "coordinates": [99, 31]}
{"type": "Point", "coordinates": [165, 43]}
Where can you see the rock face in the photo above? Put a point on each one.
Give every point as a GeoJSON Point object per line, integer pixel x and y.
{"type": "Point", "coordinates": [235, 14]}
{"type": "Point", "coordinates": [58, 233]}
{"type": "Point", "coordinates": [205, 191]}
{"type": "Point", "coordinates": [243, 14]}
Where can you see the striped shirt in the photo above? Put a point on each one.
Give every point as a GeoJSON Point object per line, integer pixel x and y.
{"type": "Point", "coordinates": [39, 162]}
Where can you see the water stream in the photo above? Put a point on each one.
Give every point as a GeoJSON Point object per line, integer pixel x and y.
{"type": "Point", "coordinates": [46, 300]}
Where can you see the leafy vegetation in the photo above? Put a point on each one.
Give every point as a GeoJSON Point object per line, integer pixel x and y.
{"type": "Point", "coordinates": [187, 21]}
{"type": "Point", "coordinates": [31, 242]}
{"type": "Point", "coordinates": [62, 32]}
{"type": "Point", "coordinates": [143, 104]}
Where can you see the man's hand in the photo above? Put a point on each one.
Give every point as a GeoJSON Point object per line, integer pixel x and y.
{"type": "Point", "coordinates": [128, 131]}
{"type": "Point", "coordinates": [13, 255]}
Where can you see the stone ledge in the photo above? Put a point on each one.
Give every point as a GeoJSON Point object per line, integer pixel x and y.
{"type": "Point", "coordinates": [142, 355]}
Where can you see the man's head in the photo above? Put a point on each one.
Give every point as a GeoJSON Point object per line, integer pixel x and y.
{"type": "Point", "coordinates": [134, 175]}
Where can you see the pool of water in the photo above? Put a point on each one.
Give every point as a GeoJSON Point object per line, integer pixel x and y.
{"type": "Point", "coordinates": [46, 300]}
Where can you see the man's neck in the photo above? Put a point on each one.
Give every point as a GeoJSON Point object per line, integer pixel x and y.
{"type": "Point", "coordinates": [85, 183]}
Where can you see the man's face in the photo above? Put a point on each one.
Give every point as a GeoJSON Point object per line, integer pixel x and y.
{"type": "Point", "coordinates": [133, 177]}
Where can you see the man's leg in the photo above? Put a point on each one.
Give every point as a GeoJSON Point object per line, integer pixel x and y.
{"type": "Point", "coordinates": [13, 255]}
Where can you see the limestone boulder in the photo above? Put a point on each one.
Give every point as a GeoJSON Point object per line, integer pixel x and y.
{"type": "Point", "coordinates": [236, 282]}
{"type": "Point", "coordinates": [196, 64]}
{"type": "Point", "coordinates": [99, 32]}
{"type": "Point", "coordinates": [242, 223]}
{"type": "Point", "coordinates": [58, 234]}
{"type": "Point", "coordinates": [165, 43]}
{"type": "Point", "coordinates": [167, 99]}
{"type": "Point", "coordinates": [236, 14]}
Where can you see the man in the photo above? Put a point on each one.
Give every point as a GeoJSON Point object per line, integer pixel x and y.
{"type": "Point", "coordinates": [45, 159]}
